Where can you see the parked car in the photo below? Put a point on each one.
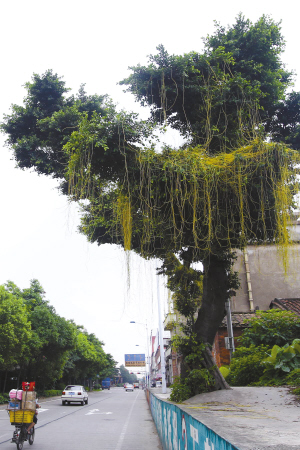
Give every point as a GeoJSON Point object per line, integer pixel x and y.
{"type": "Point", "coordinates": [158, 384]}
{"type": "Point", "coordinates": [129, 387]}
{"type": "Point", "coordinates": [74, 394]}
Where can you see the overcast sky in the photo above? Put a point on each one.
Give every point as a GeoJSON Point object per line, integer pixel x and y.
{"type": "Point", "coordinates": [94, 43]}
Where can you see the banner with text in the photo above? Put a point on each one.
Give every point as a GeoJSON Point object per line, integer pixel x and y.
{"type": "Point", "coordinates": [135, 360]}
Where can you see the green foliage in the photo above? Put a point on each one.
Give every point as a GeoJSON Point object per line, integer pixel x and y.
{"type": "Point", "coordinates": [293, 377]}
{"type": "Point", "coordinates": [181, 391]}
{"type": "Point", "coordinates": [273, 327]}
{"type": "Point", "coordinates": [37, 344]}
{"type": "Point", "coordinates": [296, 391]}
{"type": "Point", "coordinates": [185, 282]}
{"type": "Point", "coordinates": [15, 329]}
{"type": "Point", "coordinates": [225, 370]}
{"type": "Point", "coordinates": [246, 365]}
{"type": "Point", "coordinates": [196, 382]}
{"type": "Point", "coordinates": [238, 80]}
{"type": "Point", "coordinates": [285, 359]}
{"type": "Point", "coordinates": [127, 376]}
{"type": "Point", "coordinates": [51, 393]}
{"type": "Point", "coordinates": [262, 362]}
{"type": "Point", "coordinates": [4, 398]}
{"type": "Point", "coordinates": [197, 378]}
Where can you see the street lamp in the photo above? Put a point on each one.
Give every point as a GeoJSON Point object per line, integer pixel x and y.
{"type": "Point", "coordinates": [147, 374]}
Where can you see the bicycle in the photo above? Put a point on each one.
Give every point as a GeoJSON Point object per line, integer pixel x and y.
{"type": "Point", "coordinates": [21, 435]}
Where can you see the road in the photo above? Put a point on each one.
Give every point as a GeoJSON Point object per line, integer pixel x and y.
{"type": "Point", "coordinates": [113, 419]}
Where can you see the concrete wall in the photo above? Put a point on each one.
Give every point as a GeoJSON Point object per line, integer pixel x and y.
{"type": "Point", "coordinates": [180, 431]}
{"type": "Point", "coordinates": [268, 277]}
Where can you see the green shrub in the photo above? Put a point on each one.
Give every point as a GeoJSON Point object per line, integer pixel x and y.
{"type": "Point", "coordinates": [283, 359]}
{"type": "Point", "coordinates": [293, 378]}
{"type": "Point", "coordinates": [251, 367]}
{"type": "Point", "coordinates": [296, 391]}
{"type": "Point", "coordinates": [180, 391]}
{"type": "Point", "coordinates": [51, 393]}
{"type": "Point", "coordinates": [224, 371]}
{"type": "Point", "coordinates": [196, 382]}
{"type": "Point", "coordinates": [273, 327]}
{"type": "Point", "coordinates": [198, 378]}
{"type": "Point", "coordinates": [246, 367]}
{"type": "Point", "coordinates": [4, 398]}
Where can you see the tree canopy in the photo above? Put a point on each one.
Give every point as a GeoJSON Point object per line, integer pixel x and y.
{"type": "Point", "coordinates": [38, 344]}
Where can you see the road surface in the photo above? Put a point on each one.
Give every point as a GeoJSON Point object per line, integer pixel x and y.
{"type": "Point", "coordinates": [113, 419]}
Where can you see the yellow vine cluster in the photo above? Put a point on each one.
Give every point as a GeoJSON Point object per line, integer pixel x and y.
{"type": "Point", "coordinates": [209, 202]}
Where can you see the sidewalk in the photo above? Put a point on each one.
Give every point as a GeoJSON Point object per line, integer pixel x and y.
{"type": "Point", "coordinates": [251, 418]}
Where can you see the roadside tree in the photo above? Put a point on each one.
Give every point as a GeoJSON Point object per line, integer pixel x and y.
{"type": "Point", "coordinates": [15, 333]}
{"type": "Point", "coordinates": [224, 188]}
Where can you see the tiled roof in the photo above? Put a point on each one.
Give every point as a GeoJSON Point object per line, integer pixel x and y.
{"type": "Point", "coordinates": [238, 319]}
{"type": "Point", "coordinates": [289, 304]}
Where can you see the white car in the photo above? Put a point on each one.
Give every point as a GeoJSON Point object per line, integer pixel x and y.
{"type": "Point", "coordinates": [129, 387]}
{"type": "Point", "coordinates": [74, 394]}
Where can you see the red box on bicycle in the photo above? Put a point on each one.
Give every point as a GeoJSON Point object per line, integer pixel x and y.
{"type": "Point", "coordinates": [26, 386]}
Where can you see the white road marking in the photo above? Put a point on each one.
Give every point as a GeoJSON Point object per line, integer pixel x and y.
{"type": "Point", "coordinates": [42, 410]}
{"type": "Point", "coordinates": [123, 432]}
{"type": "Point", "coordinates": [95, 411]}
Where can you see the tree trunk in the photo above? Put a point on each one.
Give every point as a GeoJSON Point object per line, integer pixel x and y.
{"type": "Point", "coordinates": [220, 382]}
{"type": "Point", "coordinates": [4, 384]}
{"type": "Point", "coordinates": [212, 310]}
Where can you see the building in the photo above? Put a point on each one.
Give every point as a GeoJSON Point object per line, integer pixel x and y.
{"type": "Point", "coordinates": [155, 358]}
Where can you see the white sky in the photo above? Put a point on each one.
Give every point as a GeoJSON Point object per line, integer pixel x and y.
{"type": "Point", "coordinates": [94, 43]}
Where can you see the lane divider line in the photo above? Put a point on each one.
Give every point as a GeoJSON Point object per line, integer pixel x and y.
{"type": "Point", "coordinates": [124, 430]}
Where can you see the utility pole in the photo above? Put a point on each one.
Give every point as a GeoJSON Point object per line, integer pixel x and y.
{"type": "Point", "coordinates": [161, 343]}
{"type": "Point", "coordinates": [229, 341]}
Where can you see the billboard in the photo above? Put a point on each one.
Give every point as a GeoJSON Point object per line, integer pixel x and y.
{"type": "Point", "coordinates": [135, 360]}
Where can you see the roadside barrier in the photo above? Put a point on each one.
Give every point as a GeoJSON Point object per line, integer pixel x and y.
{"type": "Point", "coordinates": [180, 431]}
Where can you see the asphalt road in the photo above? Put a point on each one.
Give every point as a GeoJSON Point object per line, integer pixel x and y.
{"type": "Point", "coordinates": [113, 419]}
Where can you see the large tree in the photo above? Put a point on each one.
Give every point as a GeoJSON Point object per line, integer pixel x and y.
{"type": "Point", "coordinates": [224, 188]}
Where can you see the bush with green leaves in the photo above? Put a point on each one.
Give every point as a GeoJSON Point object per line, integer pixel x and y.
{"type": "Point", "coordinates": [4, 398]}
{"type": "Point", "coordinates": [283, 360]}
{"type": "Point", "coordinates": [180, 391]}
{"type": "Point", "coordinates": [273, 327]}
{"type": "Point", "coordinates": [197, 379]}
{"type": "Point", "coordinates": [246, 365]}
{"type": "Point", "coordinates": [52, 393]}
{"type": "Point", "coordinates": [266, 357]}
{"type": "Point", "coordinates": [293, 378]}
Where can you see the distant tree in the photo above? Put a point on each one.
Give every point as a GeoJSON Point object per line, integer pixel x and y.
{"type": "Point", "coordinates": [127, 376]}
{"type": "Point", "coordinates": [15, 332]}
{"type": "Point", "coordinates": [37, 344]}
